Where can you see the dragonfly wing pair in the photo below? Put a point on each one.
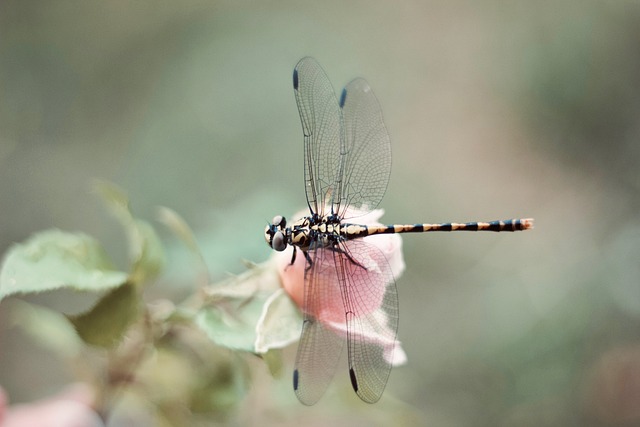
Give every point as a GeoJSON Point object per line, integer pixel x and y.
{"type": "Point", "coordinates": [347, 150]}
{"type": "Point", "coordinates": [349, 293]}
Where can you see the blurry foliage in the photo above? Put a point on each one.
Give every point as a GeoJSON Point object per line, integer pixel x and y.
{"type": "Point", "coordinates": [155, 350]}
{"type": "Point", "coordinates": [53, 259]}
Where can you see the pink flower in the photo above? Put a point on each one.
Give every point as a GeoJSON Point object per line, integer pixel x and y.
{"type": "Point", "coordinates": [332, 312]}
{"type": "Point", "coordinates": [70, 408]}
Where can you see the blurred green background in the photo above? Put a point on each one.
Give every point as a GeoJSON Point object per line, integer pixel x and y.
{"type": "Point", "coordinates": [495, 110]}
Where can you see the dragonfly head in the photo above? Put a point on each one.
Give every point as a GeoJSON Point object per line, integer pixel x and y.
{"type": "Point", "coordinates": [275, 233]}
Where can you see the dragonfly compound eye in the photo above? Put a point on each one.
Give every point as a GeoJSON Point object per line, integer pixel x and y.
{"type": "Point", "coordinates": [279, 242]}
{"type": "Point", "coordinates": [268, 234]}
{"type": "Point", "coordinates": [279, 221]}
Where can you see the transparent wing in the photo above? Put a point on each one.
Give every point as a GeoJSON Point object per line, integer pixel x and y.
{"type": "Point", "coordinates": [352, 282]}
{"type": "Point", "coordinates": [365, 164]}
{"type": "Point", "coordinates": [371, 307]}
{"type": "Point", "coordinates": [320, 345]}
{"type": "Point", "coordinates": [321, 124]}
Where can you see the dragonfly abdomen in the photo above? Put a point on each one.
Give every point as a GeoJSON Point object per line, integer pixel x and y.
{"type": "Point", "coordinates": [353, 231]}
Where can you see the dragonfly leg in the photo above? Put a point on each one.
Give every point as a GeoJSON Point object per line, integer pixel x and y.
{"type": "Point", "coordinates": [309, 261]}
{"type": "Point", "coordinates": [337, 249]}
{"type": "Point", "coordinates": [293, 259]}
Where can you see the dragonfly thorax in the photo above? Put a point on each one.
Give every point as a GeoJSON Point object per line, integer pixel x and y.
{"type": "Point", "coordinates": [324, 231]}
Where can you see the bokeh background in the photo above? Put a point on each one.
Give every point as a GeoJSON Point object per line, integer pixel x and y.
{"type": "Point", "coordinates": [495, 110]}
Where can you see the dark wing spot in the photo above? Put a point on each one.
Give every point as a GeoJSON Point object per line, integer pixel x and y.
{"type": "Point", "coordinates": [295, 79]}
{"type": "Point", "coordinates": [295, 379]}
{"type": "Point", "coordinates": [354, 381]}
{"type": "Point", "coordinates": [343, 97]}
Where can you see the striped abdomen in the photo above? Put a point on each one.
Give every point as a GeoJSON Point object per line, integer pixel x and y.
{"type": "Point", "coordinates": [352, 230]}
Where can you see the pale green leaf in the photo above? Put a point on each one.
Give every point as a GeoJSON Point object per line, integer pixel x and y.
{"type": "Point", "coordinates": [182, 231]}
{"type": "Point", "coordinates": [147, 252]}
{"type": "Point", "coordinates": [251, 312]}
{"type": "Point", "coordinates": [115, 199]}
{"type": "Point", "coordinates": [105, 324]}
{"type": "Point", "coordinates": [260, 277]}
{"type": "Point", "coordinates": [179, 227]}
{"type": "Point", "coordinates": [55, 259]}
{"type": "Point", "coordinates": [273, 359]}
{"type": "Point", "coordinates": [237, 331]}
{"type": "Point", "coordinates": [48, 327]}
{"type": "Point", "coordinates": [280, 323]}
{"type": "Point", "coordinates": [145, 249]}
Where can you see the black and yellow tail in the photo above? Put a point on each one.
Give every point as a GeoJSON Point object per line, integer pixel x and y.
{"type": "Point", "coordinates": [508, 225]}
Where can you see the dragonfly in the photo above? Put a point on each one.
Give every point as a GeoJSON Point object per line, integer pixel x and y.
{"type": "Point", "coordinates": [347, 166]}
